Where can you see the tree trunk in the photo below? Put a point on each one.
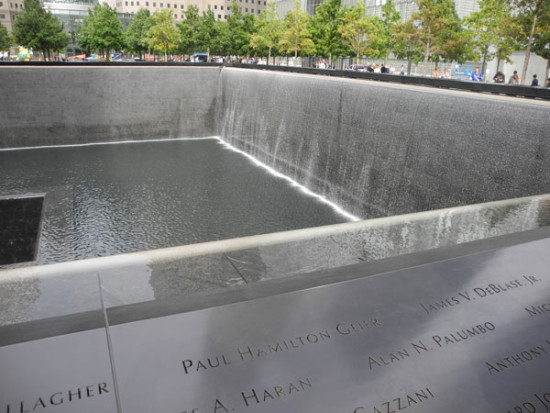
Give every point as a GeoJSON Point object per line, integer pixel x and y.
{"type": "Point", "coordinates": [268, 56]}
{"type": "Point", "coordinates": [484, 64]}
{"type": "Point", "coordinates": [528, 51]}
{"type": "Point", "coordinates": [426, 58]}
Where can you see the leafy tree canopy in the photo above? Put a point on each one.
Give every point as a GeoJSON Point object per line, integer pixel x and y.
{"type": "Point", "coordinates": [296, 36]}
{"type": "Point", "coordinates": [38, 29]}
{"type": "Point", "coordinates": [163, 34]}
{"type": "Point", "coordinates": [269, 30]}
{"type": "Point", "coordinates": [360, 32]}
{"type": "Point", "coordinates": [188, 29]}
{"type": "Point", "coordinates": [325, 28]}
{"type": "Point", "coordinates": [5, 38]}
{"type": "Point", "coordinates": [101, 31]}
{"type": "Point", "coordinates": [135, 34]}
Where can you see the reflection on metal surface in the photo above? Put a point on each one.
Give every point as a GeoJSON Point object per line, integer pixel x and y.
{"type": "Point", "coordinates": [407, 339]}
{"type": "Point", "coordinates": [68, 373]}
{"type": "Point", "coordinates": [402, 340]}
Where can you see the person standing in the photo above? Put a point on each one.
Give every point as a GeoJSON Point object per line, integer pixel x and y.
{"type": "Point", "coordinates": [514, 79]}
{"type": "Point", "coordinates": [535, 81]}
{"type": "Point", "coordinates": [476, 75]}
{"type": "Point", "coordinates": [499, 77]}
{"type": "Point", "coordinates": [436, 73]}
{"type": "Point", "coordinates": [548, 82]}
{"type": "Point", "coordinates": [446, 74]}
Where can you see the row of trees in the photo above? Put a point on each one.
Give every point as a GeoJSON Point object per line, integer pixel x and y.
{"type": "Point", "coordinates": [37, 29]}
{"type": "Point", "coordinates": [433, 33]}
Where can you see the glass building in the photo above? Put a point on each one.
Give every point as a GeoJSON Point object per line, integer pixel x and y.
{"type": "Point", "coordinates": [374, 7]}
{"type": "Point", "coordinates": [72, 13]}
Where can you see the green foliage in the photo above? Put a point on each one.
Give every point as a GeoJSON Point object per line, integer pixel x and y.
{"type": "Point", "coordinates": [529, 13]}
{"type": "Point", "coordinates": [390, 17]}
{"type": "Point", "coordinates": [434, 32]}
{"type": "Point", "coordinates": [135, 34]}
{"type": "Point", "coordinates": [297, 35]}
{"type": "Point", "coordinates": [38, 29]}
{"type": "Point", "coordinates": [5, 39]}
{"type": "Point", "coordinates": [101, 31]}
{"type": "Point", "coordinates": [239, 30]}
{"type": "Point", "coordinates": [163, 34]}
{"type": "Point", "coordinates": [188, 30]}
{"type": "Point", "coordinates": [269, 31]}
{"type": "Point", "coordinates": [541, 40]}
{"type": "Point", "coordinates": [359, 32]}
{"type": "Point", "coordinates": [491, 25]}
{"type": "Point", "coordinates": [325, 28]}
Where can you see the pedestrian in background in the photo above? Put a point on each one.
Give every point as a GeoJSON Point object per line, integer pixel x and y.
{"type": "Point", "coordinates": [535, 81]}
{"type": "Point", "coordinates": [476, 75]}
{"type": "Point", "coordinates": [499, 77]}
{"type": "Point", "coordinates": [514, 80]}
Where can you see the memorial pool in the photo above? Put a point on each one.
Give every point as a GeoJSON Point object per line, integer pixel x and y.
{"type": "Point", "coordinates": [107, 199]}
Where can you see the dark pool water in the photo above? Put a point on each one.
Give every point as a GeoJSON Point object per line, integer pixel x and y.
{"type": "Point", "coordinates": [109, 199]}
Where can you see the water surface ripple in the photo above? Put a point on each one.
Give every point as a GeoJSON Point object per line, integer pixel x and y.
{"type": "Point", "coordinates": [117, 198]}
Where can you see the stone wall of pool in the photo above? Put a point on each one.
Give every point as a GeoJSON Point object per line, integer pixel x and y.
{"type": "Point", "coordinates": [376, 149]}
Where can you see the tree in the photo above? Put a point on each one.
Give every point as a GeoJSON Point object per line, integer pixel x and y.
{"type": "Point", "coordinates": [5, 39]}
{"type": "Point", "coordinates": [38, 29]}
{"type": "Point", "coordinates": [358, 31]}
{"type": "Point", "coordinates": [163, 35]}
{"type": "Point", "coordinates": [541, 40]}
{"type": "Point", "coordinates": [529, 12]}
{"type": "Point", "coordinates": [296, 35]}
{"type": "Point", "coordinates": [434, 31]}
{"type": "Point", "coordinates": [101, 31]}
{"type": "Point", "coordinates": [207, 32]}
{"type": "Point", "coordinates": [188, 30]}
{"type": "Point", "coordinates": [491, 24]}
{"type": "Point", "coordinates": [135, 34]}
{"type": "Point", "coordinates": [390, 17]}
{"type": "Point", "coordinates": [269, 30]}
{"type": "Point", "coordinates": [239, 29]}
{"type": "Point", "coordinates": [325, 28]}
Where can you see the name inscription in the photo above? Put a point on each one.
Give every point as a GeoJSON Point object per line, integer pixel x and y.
{"type": "Point", "coordinates": [541, 309]}
{"type": "Point", "coordinates": [536, 403]}
{"type": "Point", "coordinates": [440, 341]}
{"type": "Point", "coordinates": [398, 403]}
{"type": "Point", "coordinates": [518, 359]}
{"type": "Point", "coordinates": [58, 398]}
{"type": "Point", "coordinates": [256, 396]}
{"type": "Point", "coordinates": [249, 352]}
{"type": "Point", "coordinates": [478, 293]}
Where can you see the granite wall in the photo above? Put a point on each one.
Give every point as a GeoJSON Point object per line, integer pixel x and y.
{"type": "Point", "coordinates": [376, 149]}
{"type": "Point", "coordinates": [73, 105]}
{"type": "Point", "coordinates": [381, 149]}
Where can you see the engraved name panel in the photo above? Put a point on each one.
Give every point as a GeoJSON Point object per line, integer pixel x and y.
{"type": "Point", "coordinates": [69, 373]}
{"type": "Point", "coordinates": [468, 334]}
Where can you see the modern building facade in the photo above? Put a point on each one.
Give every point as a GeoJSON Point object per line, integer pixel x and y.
{"type": "Point", "coordinates": [8, 11]}
{"type": "Point", "coordinates": [374, 7]}
{"type": "Point", "coordinates": [178, 7]}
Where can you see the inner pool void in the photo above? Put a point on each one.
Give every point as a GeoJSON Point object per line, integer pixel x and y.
{"type": "Point", "coordinates": [106, 199]}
